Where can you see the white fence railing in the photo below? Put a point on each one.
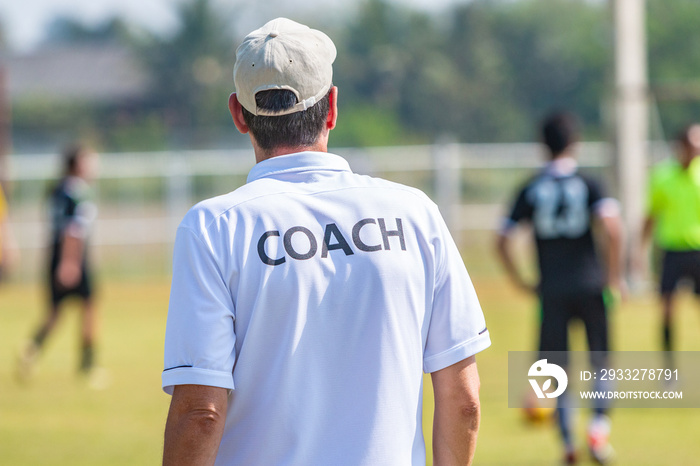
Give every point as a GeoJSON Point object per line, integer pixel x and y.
{"type": "Point", "coordinates": [143, 196]}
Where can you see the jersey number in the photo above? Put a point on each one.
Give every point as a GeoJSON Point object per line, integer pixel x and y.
{"type": "Point", "coordinates": [561, 208]}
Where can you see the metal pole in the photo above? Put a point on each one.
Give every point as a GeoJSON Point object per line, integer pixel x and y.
{"type": "Point", "coordinates": [448, 182]}
{"type": "Point", "coordinates": [632, 113]}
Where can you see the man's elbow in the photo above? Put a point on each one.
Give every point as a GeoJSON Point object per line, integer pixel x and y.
{"type": "Point", "coordinates": [473, 390]}
{"type": "Point", "coordinates": [206, 420]}
{"type": "Point", "coordinates": [471, 409]}
{"type": "Point", "coordinates": [470, 406]}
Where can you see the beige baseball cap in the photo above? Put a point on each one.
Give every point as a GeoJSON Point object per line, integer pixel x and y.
{"type": "Point", "coordinates": [284, 54]}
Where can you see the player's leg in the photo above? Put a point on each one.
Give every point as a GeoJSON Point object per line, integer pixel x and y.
{"type": "Point", "coordinates": [89, 321]}
{"type": "Point", "coordinates": [56, 296]}
{"type": "Point", "coordinates": [667, 305]}
{"type": "Point", "coordinates": [693, 271]}
{"type": "Point", "coordinates": [46, 326]}
{"type": "Point", "coordinates": [88, 329]}
{"type": "Point", "coordinates": [592, 310]}
{"type": "Point", "coordinates": [554, 336]}
{"type": "Point", "coordinates": [671, 272]}
{"type": "Point", "coordinates": [97, 378]}
{"type": "Point", "coordinates": [554, 324]}
{"type": "Point", "coordinates": [30, 352]}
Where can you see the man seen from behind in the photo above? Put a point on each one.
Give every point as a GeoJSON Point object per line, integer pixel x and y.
{"type": "Point", "coordinates": [306, 304]}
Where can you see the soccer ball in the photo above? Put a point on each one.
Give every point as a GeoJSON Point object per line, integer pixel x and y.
{"type": "Point", "coordinates": [538, 411]}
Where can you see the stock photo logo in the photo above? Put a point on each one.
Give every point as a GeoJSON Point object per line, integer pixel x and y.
{"type": "Point", "coordinates": [542, 368]}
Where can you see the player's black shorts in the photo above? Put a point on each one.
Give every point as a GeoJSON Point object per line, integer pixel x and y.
{"type": "Point", "coordinates": [58, 292]}
{"type": "Point", "coordinates": [678, 265]}
{"type": "Point", "coordinates": [559, 310]}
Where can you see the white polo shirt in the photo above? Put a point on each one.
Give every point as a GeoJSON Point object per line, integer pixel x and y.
{"type": "Point", "coordinates": [319, 297]}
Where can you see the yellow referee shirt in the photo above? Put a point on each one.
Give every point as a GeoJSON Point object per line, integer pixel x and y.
{"type": "Point", "coordinates": [674, 204]}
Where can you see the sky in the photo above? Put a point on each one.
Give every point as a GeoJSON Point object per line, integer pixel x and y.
{"type": "Point", "coordinates": [24, 21]}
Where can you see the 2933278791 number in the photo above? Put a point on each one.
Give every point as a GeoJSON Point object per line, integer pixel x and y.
{"type": "Point", "coordinates": [639, 374]}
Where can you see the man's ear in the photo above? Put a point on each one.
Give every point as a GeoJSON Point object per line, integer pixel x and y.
{"type": "Point", "coordinates": [333, 111]}
{"type": "Point", "coordinates": [236, 109]}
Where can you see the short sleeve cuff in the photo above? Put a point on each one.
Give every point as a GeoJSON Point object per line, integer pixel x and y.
{"type": "Point", "coordinates": [195, 376]}
{"type": "Point", "coordinates": [457, 353]}
{"type": "Point", "coordinates": [607, 207]}
{"type": "Point", "coordinates": [77, 229]}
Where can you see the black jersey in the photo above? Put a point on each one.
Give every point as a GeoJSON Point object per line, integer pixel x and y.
{"type": "Point", "coordinates": [561, 208]}
{"type": "Point", "coordinates": [71, 210]}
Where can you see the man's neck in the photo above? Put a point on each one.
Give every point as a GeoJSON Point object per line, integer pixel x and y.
{"type": "Point", "coordinates": [562, 165]}
{"type": "Point", "coordinates": [261, 154]}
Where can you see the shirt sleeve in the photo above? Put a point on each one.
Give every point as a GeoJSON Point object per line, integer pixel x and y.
{"type": "Point", "coordinates": [199, 336]}
{"type": "Point", "coordinates": [457, 329]}
{"type": "Point", "coordinates": [522, 210]}
{"type": "Point", "coordinates": [81, 221]}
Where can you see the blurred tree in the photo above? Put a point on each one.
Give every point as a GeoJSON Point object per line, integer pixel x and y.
{"type": "Point", "coordinates": [67, 30]}
{"type": "Point", "coordinates": [478, 91]}
{"type": "Point", "coordinates": [188, 71]}
{"type": "Point", "coordinates": [674, 62]}
{"type": "Point", "coordinates": [47, 120]}
{"type": "Point", "coordinates": [370, 126]}
{"type": "Point", "coordinates": [379, 56]}
{"type": "Point", "coordinates": [374, 56]}
{"type": "Point", "coordinates": [484, 72]}
{"type": "Point", "coordinates": [559, 53]}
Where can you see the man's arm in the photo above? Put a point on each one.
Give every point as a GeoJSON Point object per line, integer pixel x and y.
{"type": "Point", "coordinates": [69, 272]}
{"type": "Point", "coordinates": [506, 257]}
{"type": "Point", "coordinates": [195, 425]}
{"type": "Point", "coordinates": [457, 413]}
{"type": "Point", "coordinates": [613, 229]}
{"type": "Point", "coordinates": [640, 258]}
{"type": "Point", "coordinates": [647, 230]}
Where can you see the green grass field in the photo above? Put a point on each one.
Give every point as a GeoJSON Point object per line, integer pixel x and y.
{"type": "Point", "coordinates": [58, 420]}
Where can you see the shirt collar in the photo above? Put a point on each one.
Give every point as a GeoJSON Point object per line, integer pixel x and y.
{"type": "Point", "coordinates": [298, 162]}
{"type": "Point", "coordinates": [561, 166]}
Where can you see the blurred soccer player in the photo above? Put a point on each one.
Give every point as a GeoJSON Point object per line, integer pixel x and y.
{"type": "Point", "coordinates": [71, 213]}
{"type": "Point", "coordinates": [673, 217]}
{"type": "Point", "coordinates": [562, 206]}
